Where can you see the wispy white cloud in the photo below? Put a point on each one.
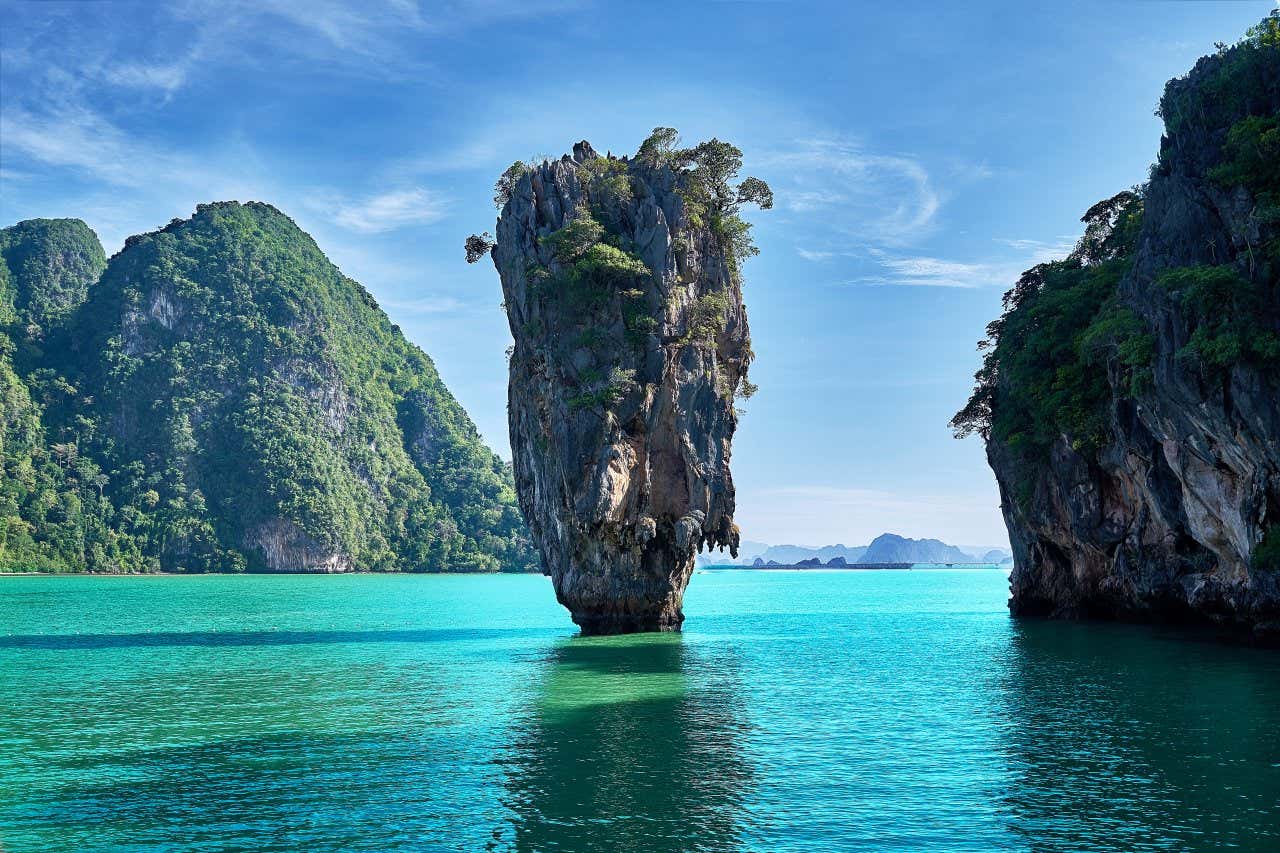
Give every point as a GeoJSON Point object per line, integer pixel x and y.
{"type": "Point", "coordinates": [366, 29]}
{"type": "Point", "coordinates": [384, 211]}
{"type": "Point", "coordinates": [379, 39]}
{"type": "Point", "coordinates": [923, 271]}
{"type": "Point", "coordinates": [887, 199]}
{"type": "Point", "coordinates": [927, 271]}
{"type": "Point", "coordinates": [1040, 251]}
{"type": "Point", "coordinates": [431, 304]}
{"type": "Point", "coordinates": [165, 76]}
{"type": "Point", "coordinates": [74, 136]}
{"type": "Point", "coordinates": [804, 201]}
{"type": "Point", "coordinates": [966, 171]}
{"type": "Point", "coordinates": [811, 255]}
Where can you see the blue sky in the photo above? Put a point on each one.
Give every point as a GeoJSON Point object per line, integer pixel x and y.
{"type": "Point", "coordinates": [922, 155]}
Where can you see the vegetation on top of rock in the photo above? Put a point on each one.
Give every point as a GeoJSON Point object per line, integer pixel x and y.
{"type": "Point", "coordinates": [1045, 372]}
{"type": "Point", "coordinates": [709, 170]}
{"type": "Point", "coordinates": [595, 261]}
{"type": "Point", "coordinates": [1237, 80]}
{"type": "Point", "coordinates": [1044, 369]}
{"type": "Point", "coordinates": [706, 173]}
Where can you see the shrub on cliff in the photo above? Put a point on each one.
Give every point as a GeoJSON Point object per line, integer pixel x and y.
{"type": "Point", "coordinates": [1241, 79]}
{"type": "Point", "coordinates": [1066, 332]}
{"type": "Point", "coordinates": [1044, 372]}
{"type": "Point", "coordinates": [1230, 309]}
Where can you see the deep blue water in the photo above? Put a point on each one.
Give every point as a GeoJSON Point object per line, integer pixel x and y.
{"type": "Point", "coordinates": [799, 711]}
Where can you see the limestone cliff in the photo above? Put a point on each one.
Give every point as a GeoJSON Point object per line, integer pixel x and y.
{"type": "Point", "coordinates": [1131, 393]}
{"type": "Point", "coordinates": [621, 285]}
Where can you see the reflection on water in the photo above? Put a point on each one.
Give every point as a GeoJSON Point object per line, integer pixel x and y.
{"type": "Point", "coordinates": [632, 744]}
{"type": "Point", "coordinates": [803, 713]}
{"type": "Point", "coordinates": [1124, 738]}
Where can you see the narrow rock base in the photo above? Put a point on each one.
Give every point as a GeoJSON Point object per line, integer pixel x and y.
{"type": "Point", "coordinates": [636, 591]}
{"type": "Point", "coordinates": [606, 624]}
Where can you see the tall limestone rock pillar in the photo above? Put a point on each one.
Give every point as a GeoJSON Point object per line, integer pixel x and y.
{"type": "Point", "coordinates": [621, 285]}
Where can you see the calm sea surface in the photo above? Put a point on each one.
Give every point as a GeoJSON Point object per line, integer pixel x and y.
{"type": "Point", "coordinates": [810, 711]}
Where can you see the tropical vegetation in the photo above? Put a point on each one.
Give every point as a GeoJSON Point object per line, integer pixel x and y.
{"type": "Point", "coordinates": [220, 389]}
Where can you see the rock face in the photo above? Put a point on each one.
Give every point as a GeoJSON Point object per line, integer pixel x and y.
{"type": "Point", "coordinates": [631, 341]}
{"type": "Point", "coordinates": [1175, 513]}
{"type": "Point", "coordinates": [286, 547]}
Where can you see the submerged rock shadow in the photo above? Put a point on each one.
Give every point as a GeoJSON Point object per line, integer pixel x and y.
{"type": "Point", "coordinates": [633, 743]}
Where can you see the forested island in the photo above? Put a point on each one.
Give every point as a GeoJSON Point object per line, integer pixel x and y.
{"type": "Point", "coordinates": [219, 397]}
{"type": "Point", "coordinates": [1130, 393]}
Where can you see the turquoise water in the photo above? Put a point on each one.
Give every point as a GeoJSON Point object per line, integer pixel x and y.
{"type": "Point", "coordinates": [809, 711]}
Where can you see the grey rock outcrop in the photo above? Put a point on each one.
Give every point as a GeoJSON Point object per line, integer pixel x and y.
{"type": "Point", "coordinates": [286, 547]}
{"type": "Point", "coordinates": [631, 340]}
{"type": "Point", "coordinates": [1163, 521]}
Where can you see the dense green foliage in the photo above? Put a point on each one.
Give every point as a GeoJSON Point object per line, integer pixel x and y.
{"type": "Point", "coordinates": [592, 269]}
{"type": "Point", "coordinates": [46, 268]}
{"type": "Point", "coordinates": [1266, 556]}
{"type": "Point", "coordinates": [1251, 159]}
{"type": "Point", "coordinates": [1238, 80]}
{"type": "Point", "coordinates": [51, 503]}
{"type": "Point", "coordinates": [1044, 374]}
{"type": "Point", "coordinates": [1232, 310]}
{"type": "Point", "coordinates": [228, 389]}
{"type": "Point", "coordinates": [1070, 344]}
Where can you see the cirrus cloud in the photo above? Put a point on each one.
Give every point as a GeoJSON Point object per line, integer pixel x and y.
{"type": "Point", "coordinates": [385, 211]}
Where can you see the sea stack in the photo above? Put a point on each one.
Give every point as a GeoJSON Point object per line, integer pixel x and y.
{"type": "Point", "coordinates": [1131, 392]}
{"type": "Point", "coordinates": [622, 289]}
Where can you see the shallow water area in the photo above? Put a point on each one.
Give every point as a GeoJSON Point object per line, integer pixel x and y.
{"type": "Point", "coordinates": [878, 710]}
